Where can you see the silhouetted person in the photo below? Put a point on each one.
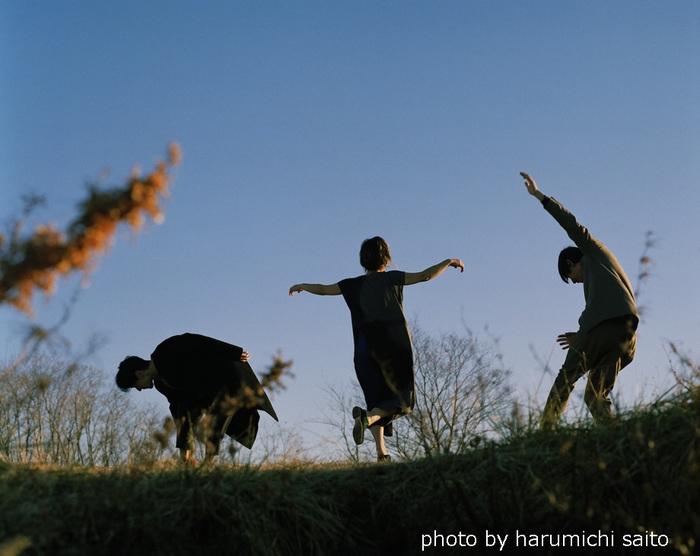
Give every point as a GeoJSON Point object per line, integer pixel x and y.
{"type": "Point", "coordinates": [201, 375]}
{"type": "Point", "coordinates": [606, 339]}
{"type": "Point", "coordinates": [383, 350]}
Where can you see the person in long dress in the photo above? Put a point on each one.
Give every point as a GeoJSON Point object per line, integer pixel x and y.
{"type": "Point", "coordinates": [383, 354]}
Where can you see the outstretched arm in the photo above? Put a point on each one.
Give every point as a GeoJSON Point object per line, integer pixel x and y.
{"type": "Point", "coordinates": [318, 289]}
{"type": "Point", "coordinates": [531, 186]}
{"type": "Point", "coordinates": [433, 271]}
{"type": "Point", "coordinates": [579, 234]}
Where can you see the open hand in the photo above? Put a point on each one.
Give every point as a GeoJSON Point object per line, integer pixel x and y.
{"type": "Point", "coordinates": [531, 186]}
{"type": "Point", "coordinates": [565, 340]}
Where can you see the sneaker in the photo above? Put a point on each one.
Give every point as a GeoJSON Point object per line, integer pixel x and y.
{"type": "Point", "coordinates": [361, 423]}
{"type": "Point", "coordinates": [386, 458]}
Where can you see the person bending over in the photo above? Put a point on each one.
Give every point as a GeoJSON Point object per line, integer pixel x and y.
{"type": "Point", "coordinates": [201, 375]}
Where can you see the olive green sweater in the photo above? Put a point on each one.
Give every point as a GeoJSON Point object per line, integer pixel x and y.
{"type": "Point", "coordinates": [606, 287]}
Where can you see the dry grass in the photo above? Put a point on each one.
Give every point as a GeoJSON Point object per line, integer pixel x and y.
{"type": "Point", "coordinates": [641, 475]}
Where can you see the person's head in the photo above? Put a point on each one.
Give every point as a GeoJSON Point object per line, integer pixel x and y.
{"type": "Point", "coordinates": [374, 254]}
{"type": "Point", "coordinates": [570, 265]}
{"type": "Point", "coordinates": [131, 374]}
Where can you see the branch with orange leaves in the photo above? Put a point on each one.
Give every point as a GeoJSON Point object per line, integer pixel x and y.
{"type": "Point", "coordinates": [35, 262]}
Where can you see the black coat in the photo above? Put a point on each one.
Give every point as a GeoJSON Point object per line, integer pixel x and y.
{"type": "Point", "coordinates": [198, 373]}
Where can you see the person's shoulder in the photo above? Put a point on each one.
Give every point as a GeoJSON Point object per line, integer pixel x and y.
{"type": "Point", "coordinates": [352, 280]}
{"type": "Point", "coordinates": [178, 337]}
{"type": "Point", "coordinates": [168, 342]}
{"type": "Point", "coordinates": [396, 277]}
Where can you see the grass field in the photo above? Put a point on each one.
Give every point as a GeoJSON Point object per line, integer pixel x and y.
{"type": "Point", "coordinates": [632, 488]}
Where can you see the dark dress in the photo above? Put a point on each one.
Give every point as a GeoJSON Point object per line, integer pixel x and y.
{"type": "Point", "coordinates": [383, 350]}
{"type": "Point", "coordinates": [200, 374]}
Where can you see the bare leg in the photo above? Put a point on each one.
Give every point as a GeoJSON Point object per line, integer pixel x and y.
{"type": "Point", "coordinates": [376, 414]}
{"type": "Point", "coordinates": [378, 434]}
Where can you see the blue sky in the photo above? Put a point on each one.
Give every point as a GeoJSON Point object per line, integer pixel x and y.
{"type": "Point", "coordinates": [308, 126]}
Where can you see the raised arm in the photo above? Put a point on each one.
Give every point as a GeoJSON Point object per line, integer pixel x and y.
{"type": "Point", "coordinates": [532, 188]}
{"type": "Point", "coordinates": [579, 234]}
{"type": "Point", "coordinates": [317, 289]}
{"type": "Point", "coordinates": [433, 271]}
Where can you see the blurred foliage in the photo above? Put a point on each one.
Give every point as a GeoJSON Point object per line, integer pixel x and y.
{"type": "Point", "coordinates": [35, 260]}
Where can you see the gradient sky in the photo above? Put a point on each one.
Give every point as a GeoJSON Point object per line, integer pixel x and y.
{"type": "Point", "coordinates": [309, 126]}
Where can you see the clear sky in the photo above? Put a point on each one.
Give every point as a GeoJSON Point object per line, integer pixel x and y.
{"type": "Point", "coordinates": [309, 126]}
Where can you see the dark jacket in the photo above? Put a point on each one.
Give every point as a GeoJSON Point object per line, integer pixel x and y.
{"type": "Point", "coordinates": [606, 287]}
{"type": "Point", "coordinates": [198, 373]}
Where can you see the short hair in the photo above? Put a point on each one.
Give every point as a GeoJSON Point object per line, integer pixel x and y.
{"type": "Point", "coordinates": [573, 254]}
{"type": "Point", "coordinates": [126, 375]}
{"type": "Point", "coordinates": [374, 254]}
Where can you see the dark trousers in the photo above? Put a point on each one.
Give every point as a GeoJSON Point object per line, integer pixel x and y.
{"type": "Point", "coordinates": [602, 352]}
{"type": "Point", "coordinates": [230, 415]}
{"type": "Point", "coordinates": [226, 415]}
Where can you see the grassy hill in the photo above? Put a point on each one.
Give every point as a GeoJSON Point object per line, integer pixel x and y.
{"type": "Point", "coordinates": [628, 489]}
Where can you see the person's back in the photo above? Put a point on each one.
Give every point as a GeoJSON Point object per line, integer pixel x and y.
{"type": "Point", "coordinates": [383, 355]}
{"type": "Point", "coordinates": [606, 287]}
